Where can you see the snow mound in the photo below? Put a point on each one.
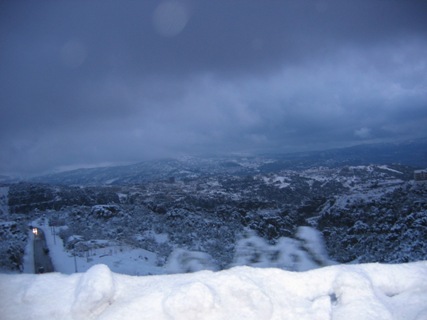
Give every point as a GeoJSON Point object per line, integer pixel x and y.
{"type": "Point", "coordinates": [313, 244]}
{"type": "Point", "coordinates": [94, 292]}
{"type": "Point", "coordinates": [305, 252]}
{"type": "Point", "coordinates": [367, 291]}
{"type": "Point", "coordinates": [183, 261]}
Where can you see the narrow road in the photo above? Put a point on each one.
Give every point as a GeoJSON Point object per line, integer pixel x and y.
{"type": "Point", "coordinates": [42, 262]}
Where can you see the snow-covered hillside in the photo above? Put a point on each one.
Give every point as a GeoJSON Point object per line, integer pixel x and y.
{"type": "Point", "coordinates": [364, 213]}
{"type": "Point", "coordinates": [368, 292]}
{"type": "Point", "coordinates": [410, 153]}
{"type": "Point", "coordinates": [257, 228]}
{"type": "Point", "coordinates": [304, 252]}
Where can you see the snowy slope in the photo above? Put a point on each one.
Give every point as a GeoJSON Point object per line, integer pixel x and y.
{"type": "Point", "coordinates": [370, 291]}
{"type": "Point", "coordinates": [365, 213]}
{"type": "Point", "coordinates": [303, 253]}
{"type": "Point", "coordinates": [119, 258]}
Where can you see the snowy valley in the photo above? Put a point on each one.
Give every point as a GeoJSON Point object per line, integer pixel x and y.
{"type": "Point", "coordinates": [217, 213]}
{"type": "Point", "coordinates": [194, 215]}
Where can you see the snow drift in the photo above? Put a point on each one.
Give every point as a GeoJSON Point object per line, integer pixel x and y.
{"type": "Point", "coordinates": [369, 291]}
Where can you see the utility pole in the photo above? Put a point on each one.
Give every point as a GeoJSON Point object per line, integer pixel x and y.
{"type": "Point", "coordinates": [75, 263]}
{"type": "Point", "coordinates": [54, 236]}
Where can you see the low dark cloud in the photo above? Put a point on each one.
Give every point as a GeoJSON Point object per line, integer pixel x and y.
{"type": "Point", "coordinates": [97, 82]}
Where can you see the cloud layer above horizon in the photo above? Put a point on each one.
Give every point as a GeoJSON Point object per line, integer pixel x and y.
{"type": "Point", "coordinates": [89, 82]}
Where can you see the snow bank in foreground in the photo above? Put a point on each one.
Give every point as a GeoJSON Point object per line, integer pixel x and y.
{"type": "Point", "coordinates": [369, 291]}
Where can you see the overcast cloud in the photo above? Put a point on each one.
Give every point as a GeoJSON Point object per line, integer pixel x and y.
{"type": "Point", "coordinates": [85, 83]}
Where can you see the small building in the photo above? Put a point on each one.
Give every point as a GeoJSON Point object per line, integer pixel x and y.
{"type": "Point", "coordinates": [420, 175]}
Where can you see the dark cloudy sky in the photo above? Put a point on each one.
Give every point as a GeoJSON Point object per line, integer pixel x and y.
{"type": "Point", "coordinates": [95, 82]}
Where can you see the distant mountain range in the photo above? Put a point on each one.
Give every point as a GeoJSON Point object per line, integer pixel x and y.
{"type": "Point", "coordinates": [412, 153]}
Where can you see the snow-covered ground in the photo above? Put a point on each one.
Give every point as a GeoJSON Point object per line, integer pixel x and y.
{"type": "Point", "coordinates": [115, 283]}
{"type": "Point", "coordinates": [119, 258]}
{"type": "Point", "coordinates": [276, 180]}
{"type": "Point", "coordinates": [303, 253]}
{"type": "Point", "coordinates": [369, 291]}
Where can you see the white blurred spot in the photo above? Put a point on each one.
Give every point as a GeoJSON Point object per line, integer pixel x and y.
{"type": "Point", "coordinates": [363, 133]}
{"type": "Point", "coordinates": [170, 18]}
{"type": "Point", "coordinates": [73, 54]}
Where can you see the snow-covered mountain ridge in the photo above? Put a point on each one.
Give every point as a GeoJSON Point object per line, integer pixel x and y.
{"type": "Point", "coordinates": [411, 153]}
